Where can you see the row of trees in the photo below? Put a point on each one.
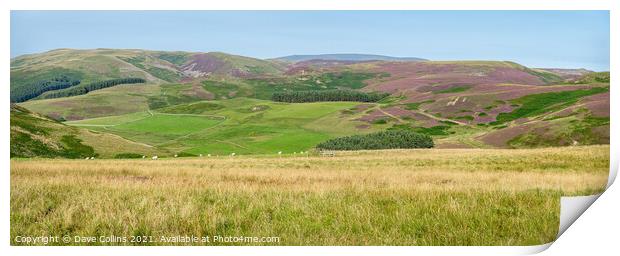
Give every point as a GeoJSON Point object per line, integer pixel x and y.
{"type": "Point", "coordinates": [390, 139]}
{"type": "Point", "coordinates": [31, 91]}
{"type": "Point", "coordinates": [327, 95]}
{"type": "Point", "coordinates": [84, 89]}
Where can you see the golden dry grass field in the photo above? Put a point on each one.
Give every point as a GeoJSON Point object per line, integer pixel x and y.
{"type": "Point", "coordinates": [391, 197]}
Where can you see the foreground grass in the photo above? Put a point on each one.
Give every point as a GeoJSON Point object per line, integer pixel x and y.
{"type": "Point", "coordinates": [393, 197]}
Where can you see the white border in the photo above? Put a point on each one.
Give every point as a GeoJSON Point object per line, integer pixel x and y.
{"type": "Point", "coordinates": [594, 221]}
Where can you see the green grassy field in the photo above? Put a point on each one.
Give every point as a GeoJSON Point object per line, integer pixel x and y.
{"type": "Point", "coordinates": [33, 135]}
{"type": "Point", "coordinates": [392, 197]}
{"type": "Point", "coordinates": [240, 125]}
{"type": "Point", "coordinates": [117, 100]}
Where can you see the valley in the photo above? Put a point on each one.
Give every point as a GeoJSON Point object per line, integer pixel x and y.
{"type": "Point", "coordinates": [471, 152]}
{"type": "Point", "coordinates": [216, 103]}
{"type": "Point", "coordinates": [361, 127]}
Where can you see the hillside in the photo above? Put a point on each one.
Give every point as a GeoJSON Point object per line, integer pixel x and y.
{"type": "Point", "coordinates": [346, 57]}
{"type": "Point", "coordinates": [221, 103]}
{"type": "Point", "coordinates": [33, 135]}
{"type": "Point", "coordinates": [154, 66]}
{"type": "Point", "coordinates": [240, 125]}
{"type": "Point", "coordinates": [568, 74]}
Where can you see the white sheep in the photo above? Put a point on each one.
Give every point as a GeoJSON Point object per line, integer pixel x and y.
{"type": "Point", "coordinates": [154, 157]}
{"type": "Point", "coordinates": [208, 155]}
{"type": "Point", "coordinates": [233, 154]}
{"type": "Point", "coordinates": [175, 155]}
{"type": "Point", "coordinates": [143, 157]}
{"type": "Point", "coordinates": [279, 152]}
{"type": "Point", "coordinates": [92, 158]}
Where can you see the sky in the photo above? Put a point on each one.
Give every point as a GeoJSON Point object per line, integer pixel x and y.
{"type": "Point", "coordinates": [559, 39]}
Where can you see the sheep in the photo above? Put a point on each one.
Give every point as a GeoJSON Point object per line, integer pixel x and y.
{"type": "Point", "coordinates": [200, 155]}
{"type": "Point", "coordinates": [154, 157]}
{"type": "Point", "coordinates": [86, 158]}
{"type": "Point", "coordinates": [233, 154]}
{"type": "Point", "coordinates": [208, 155]}
{"type": "Point", "coordinates": [143, 157]}
{"type": "Point", "coordinates": [279, 152]}
{"type": "Point", "coordinates": [175, 155]}
{"type": "Point", "coordinates": [92, 158]}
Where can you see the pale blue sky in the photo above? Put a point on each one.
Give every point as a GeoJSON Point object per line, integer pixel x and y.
{"type": "Point", "coordinates": [564, 39]}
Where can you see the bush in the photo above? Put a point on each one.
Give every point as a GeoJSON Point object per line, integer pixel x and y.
{"type": "Point", "coordinates": [390, 139]}
{"type": "Point", "coordinates": [185, 154]}
{"type": "Point", "coordinates": [127, 155]}
{"type": "Point", "coordinates": [380, 121]}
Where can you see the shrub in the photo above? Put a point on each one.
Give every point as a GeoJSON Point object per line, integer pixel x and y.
{"type": "Point", "coordinates": [128, 155]}
{"type": "Point", "coordinates": [390, 139]}
{"type": "Point", "coordinates": [469, 118]}
{"type": "Point", "coordinates": [380, 121]}
{"type": "Point", "coordinates": [185, 154]}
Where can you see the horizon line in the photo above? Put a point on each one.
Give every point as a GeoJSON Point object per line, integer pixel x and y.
{"type": "Point", "coordinates": [302, 54]}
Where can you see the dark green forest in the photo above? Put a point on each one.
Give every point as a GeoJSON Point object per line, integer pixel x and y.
{"type": "Point", "coordinates": [84, 89]}
{"type": "Point", "coordinates": [327, 95]}
{"type": "Point", "coordinates": [391, 139]}
{"type": "Point", "coordinates": [24, 93]}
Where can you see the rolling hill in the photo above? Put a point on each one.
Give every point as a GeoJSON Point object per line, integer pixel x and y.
{"type": "Point", "coordinates": [33, 135]}
{"type": "Point", "coordinates": [202, 103]}
{"type": "Point", "coordinates": [154, 66]}
{"type": "Point", "coordinates": [346, 57]}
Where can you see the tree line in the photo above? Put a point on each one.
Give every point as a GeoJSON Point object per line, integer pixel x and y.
{"type": "Point", "coordinates": [391, 139]}
{"type": "Point", "coordinates": [31, 91]}
{"type": "Point", "coordinates": [84, 89]}
{"type": "Point", "coordinates": [327, 95]}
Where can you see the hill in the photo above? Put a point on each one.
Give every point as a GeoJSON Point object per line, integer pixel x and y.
{"type": "Point", "coordinates": [460, 103]}
{"type": "Point", "coordinates": [567, 73]}
{"type": "Point", "coordinates": [157, 67]}
{"type": "Point", "coordinates": [346, 57]}
{"type": "Point", "coordinates": [33, 135]}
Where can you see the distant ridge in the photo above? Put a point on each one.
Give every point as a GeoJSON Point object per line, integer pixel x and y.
{"type": "Point", "coordinates": [347, 57]}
